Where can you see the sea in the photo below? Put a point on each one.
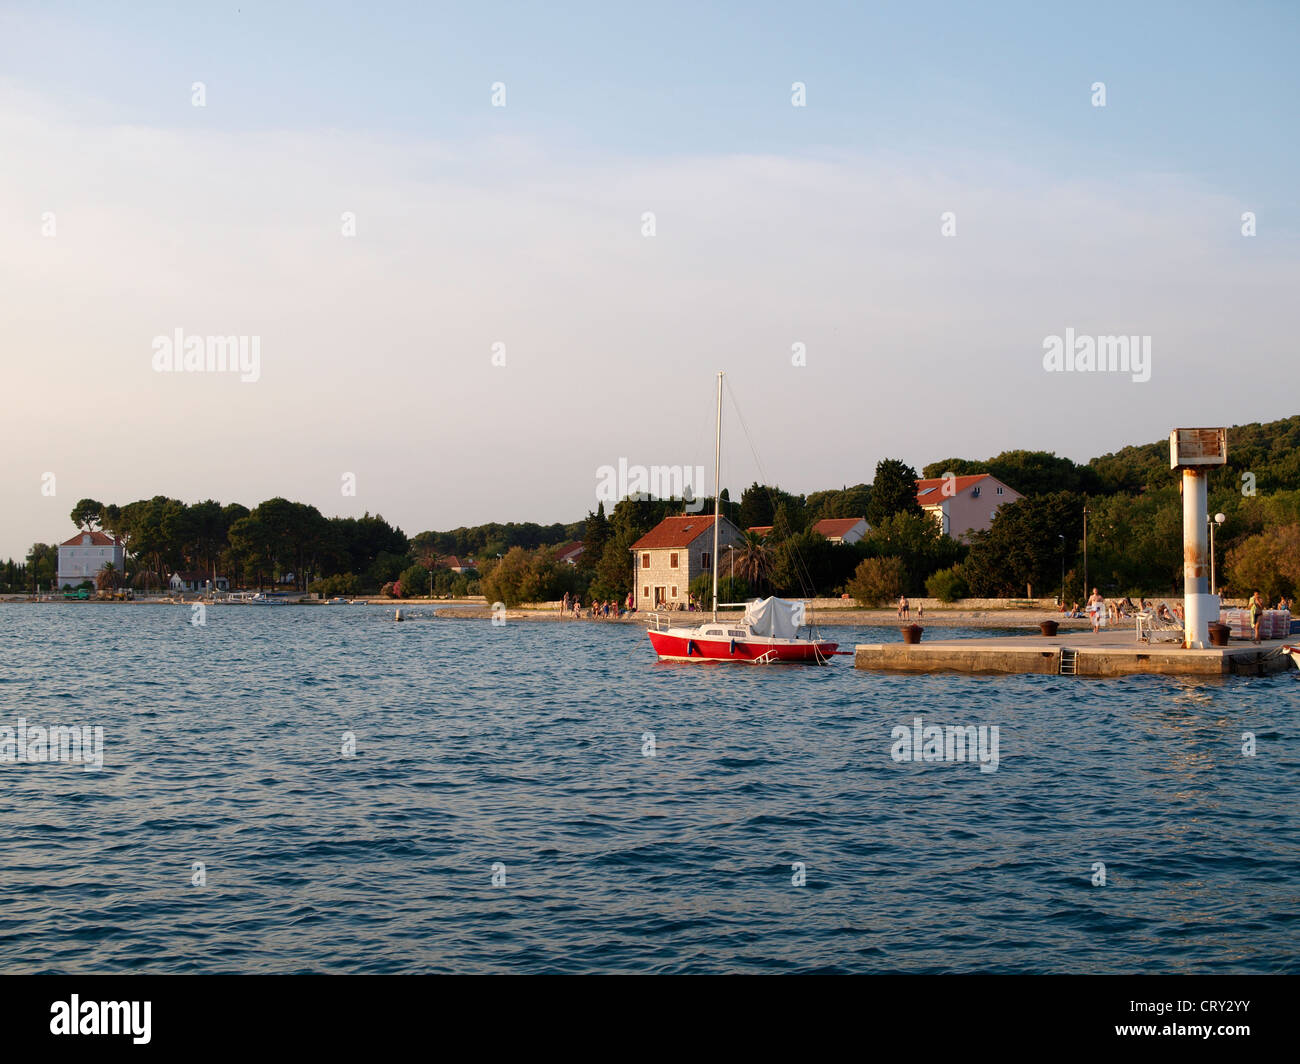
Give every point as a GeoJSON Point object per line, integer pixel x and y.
{"type": "Point", "coordinates": [290, 789]}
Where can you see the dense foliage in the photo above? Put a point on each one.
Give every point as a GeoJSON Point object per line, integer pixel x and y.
{"type": "Point", "coordinates": [1134, 536]}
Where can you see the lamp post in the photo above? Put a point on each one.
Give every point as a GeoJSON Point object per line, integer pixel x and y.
{"type": "Point", "coordinates": [1218, 520]}
{"type": "Point", "coordinates": [1085, 550]}
{"type": "Point", "coordinates": [1062, 539]}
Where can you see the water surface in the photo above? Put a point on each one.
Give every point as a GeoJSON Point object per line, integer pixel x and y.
{"type": "Point", "coordinates": [522, 747]}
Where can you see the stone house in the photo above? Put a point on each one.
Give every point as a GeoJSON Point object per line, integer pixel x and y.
{"type": "Point", "coordinates": [672, 554]}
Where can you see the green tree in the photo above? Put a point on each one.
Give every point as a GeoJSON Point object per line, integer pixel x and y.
{"type": "Point", "coordinates": [595, 535]}
{"type": "Point", "coordinates": [893, 491]}
{"type": "Point", "coordinates": [414, 581]}
{"type": "Point", "coordinates": [513, 580]}
{"type": "Point", "coordinates": [108, 578]}
{"type": "Point", "coordinates": [844, 502]}
{"type": "Point", "coordinates": [877, 580]}
{"type": "Point", "coordinates": [947, 585]}
{"type": "Point", "coordinates": [1022, 547]}
{"type": "Point", "coordinates": [42, 565]}
{"type": "Point", "coordinates": [730, 589]}
{"type": "Point", "coordinates": [918, 542]}
{"type": "Point", "coordinates": [1268, 563]}
{"type": "Point", "coordinates": [87, 513]}
{"type": "Point", "coordinates": [752, 561]}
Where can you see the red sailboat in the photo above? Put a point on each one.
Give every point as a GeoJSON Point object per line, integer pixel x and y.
{"type": "Point", "coordinates": [759, 638]}
{"type": "Point", "coordinates": [769, 631]}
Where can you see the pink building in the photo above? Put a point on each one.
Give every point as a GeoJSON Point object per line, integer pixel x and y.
{"type": "Point", "coordinates": [963, 504]}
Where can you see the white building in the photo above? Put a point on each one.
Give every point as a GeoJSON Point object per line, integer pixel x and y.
{"type": "Point", "coordinates": [85, 554]}
{"type": "Point", "coordinates": [197, 581]}
{"type": "Point", "coordinates": [842, 529]}
{"type": "Point", "coordinates": [961, 505]}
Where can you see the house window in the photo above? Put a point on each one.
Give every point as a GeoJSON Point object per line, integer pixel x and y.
{"type": "Point", "coordinates": [975, 492]}
{"type": "Point", "coordinates": [645, 592]}
{"type": "Point", "coordinates": [672, 563]}
{"type": "Point", "coordinates": [674, 590]}
{"type": "Point", "coordinates": [999, 491]}
{"type": "Point", "coordinates": [645, 560]}
{"type": "Point", "coordinates": [705, 561]}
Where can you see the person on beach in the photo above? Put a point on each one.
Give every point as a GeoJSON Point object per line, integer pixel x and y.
{"type": "Point", "coordinates": [564, 605]}
{"type": "Point", "coordinates": [902, 608]}
{"type": "Point", "coordinates": [1096, 604]}
{"type": "Point", "coordinates": [577, 607]}
{"type": "Point", "coordinates": [1256, 613]}
{"type": "Point", "coordinates": [920, 610]}
{"type": "Point", "coordinates": [629, 602]}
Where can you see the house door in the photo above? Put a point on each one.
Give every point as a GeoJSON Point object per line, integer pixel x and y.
{"type": "Point", "coordinates": [660, 597]}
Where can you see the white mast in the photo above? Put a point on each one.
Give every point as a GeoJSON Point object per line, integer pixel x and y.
{"type": "Point", "coordinates": [717, 493]}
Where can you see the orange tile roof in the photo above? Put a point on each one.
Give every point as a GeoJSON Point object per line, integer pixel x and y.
{"type": "Point", "coordinates": [831, 527]}
{"type": "Point", "coordinates": [675, 532]}
{"type": "Point", "coordinates": [930, 492]}
{"type": "Point", "coordinates": [97, 539]}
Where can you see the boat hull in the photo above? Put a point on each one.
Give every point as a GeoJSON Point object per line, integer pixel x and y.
{"type": "Point", "coordinates": [677, 646]}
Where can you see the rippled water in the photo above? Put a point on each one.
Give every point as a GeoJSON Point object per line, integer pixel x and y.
{"type": "Point", "coordinates": [523, 746]}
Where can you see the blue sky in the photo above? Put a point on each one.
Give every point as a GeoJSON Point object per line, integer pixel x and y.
{"type": "Point", "coordinates": [521, 224]}
{"type": "Point", "coordinates": [1200, 89]}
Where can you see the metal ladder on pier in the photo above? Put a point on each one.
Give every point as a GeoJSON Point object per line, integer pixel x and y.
{"type": "Point", "coordinates": [1068, 662]}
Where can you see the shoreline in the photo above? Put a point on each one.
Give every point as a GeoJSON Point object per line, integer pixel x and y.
{"type": "Point", "coordinates": [842, 618]}
{"type": "Point", "coordinates": [476, 610]}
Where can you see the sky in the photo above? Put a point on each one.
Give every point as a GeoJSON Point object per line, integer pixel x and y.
{"type": "Point", "coordinates": [520, 234]}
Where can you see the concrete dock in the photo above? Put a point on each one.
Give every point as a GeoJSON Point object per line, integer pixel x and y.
{"type": "Point", "coordinates": [1114, 652]}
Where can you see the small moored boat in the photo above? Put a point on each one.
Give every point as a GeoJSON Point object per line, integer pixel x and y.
{"type": "Point", "coordinates": [767, 634]}
{"type": "Point", "coordinates": [769, 631]}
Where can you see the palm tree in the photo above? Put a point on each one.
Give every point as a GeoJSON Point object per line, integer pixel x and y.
{"type": "Point", "coordinates": [753, 560]}
{"type": "Point", "coordinates": [108, 578]}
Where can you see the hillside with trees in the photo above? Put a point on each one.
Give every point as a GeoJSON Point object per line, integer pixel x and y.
{"type": "Point", "coordinates": [1134, 540]}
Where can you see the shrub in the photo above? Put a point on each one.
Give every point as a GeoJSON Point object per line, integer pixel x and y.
{"type": "Point", "coordinates": [1268, 563]}
{"type": "Point", "coordinates": [877, 580]}
{"type": "Point", "coordinates": [414, 581]}
{"type": "Point", "coordinates": [336, 585]}
{"type": "Point", "coordinates": [730, 589]}
{"type": "Point", "coordinates": [947, 585]}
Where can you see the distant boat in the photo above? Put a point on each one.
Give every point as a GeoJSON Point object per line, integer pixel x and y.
{"type": "Point", "coordinates": [767, 634]}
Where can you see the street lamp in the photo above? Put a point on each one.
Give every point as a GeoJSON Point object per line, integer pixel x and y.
{"type": "Point", "coordinates": [1062, 539]}
{"type": "Point", "coordinates": [1218, 520]}
{"type": "Point", "coordinates": [1085, 550]}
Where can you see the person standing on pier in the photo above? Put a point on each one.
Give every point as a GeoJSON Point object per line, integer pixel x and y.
{"type": "Point", "coordinates": [1096, 607]}
{"type": "Point", "coordinates": [1256, 613]}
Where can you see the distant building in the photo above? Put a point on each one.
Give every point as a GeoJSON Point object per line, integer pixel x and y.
{"type": "Point", "coordinates": [842, 529]}
{"type": "Point", "coordinates": [455, 564]}
{"type": "Point", "coordinates": [569, 553]}
{"type": "Point", "coordinates": [962, 505]}
{"type": "Point", "coordinates": [760, 530]}
{"type": "Point", "coordinates": [85, 554]}
{"type": "Point", "coordinates": [195, 580]}
{"type": "Point", "coordinates": [672, 554]}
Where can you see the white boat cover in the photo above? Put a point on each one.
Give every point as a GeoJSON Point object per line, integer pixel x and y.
{"type": "Point", "coordinates": [774, 617]}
